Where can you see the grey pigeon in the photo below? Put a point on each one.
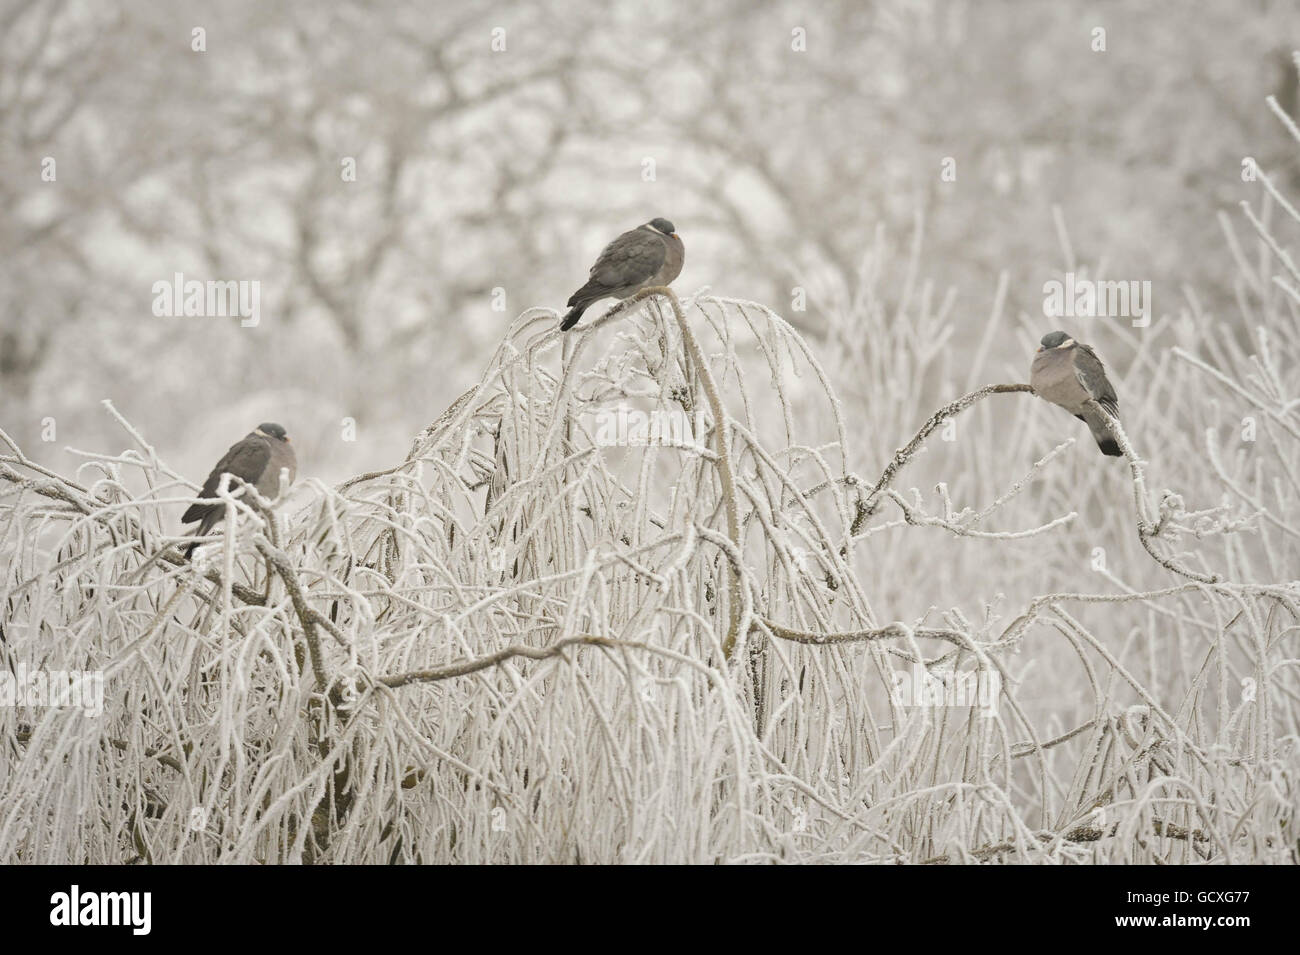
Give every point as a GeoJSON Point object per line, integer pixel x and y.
{"type": "Point", "coordinates": [1069, 373]}
{"type": "Point", "coordinates": [257, 460]}
{"type": "Point", "coordinates": [649, 255]}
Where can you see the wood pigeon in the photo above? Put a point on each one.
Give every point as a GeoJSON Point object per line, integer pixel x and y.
{"type": "Point", "coordinates": [1069, 373]}
{"type": "Point", "coordinates": [256, 460]}
{"type": "Point", "coordinates": [647, 256]}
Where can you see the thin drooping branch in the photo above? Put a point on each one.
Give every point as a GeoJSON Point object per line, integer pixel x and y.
{"type": "Point", "coordinates": [726, 471]}
{"type": "Point", "coordinates": [868, 506]}
{"type": "Point", "coordinates": [1147, 530]}
{"type": "Point", "coordinates": [722, 434]}
{"type": "Point", "coordinates": [893, 631]}
{"type": "Point", "coordinates": [466, 667]}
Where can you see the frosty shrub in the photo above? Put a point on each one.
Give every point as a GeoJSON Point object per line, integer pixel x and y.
{"type": "Point", "coordinates": [656, 591]}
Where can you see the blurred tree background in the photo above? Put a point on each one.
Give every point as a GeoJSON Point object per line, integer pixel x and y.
{"type": "Point", "coordinates": [482, 169]}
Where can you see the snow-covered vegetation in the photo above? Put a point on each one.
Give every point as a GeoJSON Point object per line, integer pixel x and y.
{"type": "Point", "coordinates": [805, 577]}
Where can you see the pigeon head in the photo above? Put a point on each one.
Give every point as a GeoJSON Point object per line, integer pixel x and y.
{"type": "Point", "coordinates": [1056, 340]}
{"type": "Point", "coordinates": [664, 226]}
{"type": "Point", "coordinates": [272, 430]}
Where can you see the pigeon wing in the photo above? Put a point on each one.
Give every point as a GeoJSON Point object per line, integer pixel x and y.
{"type": "Point", "coordinates": [246, 460]}
{"type": "Point", "coordinates": [1092, 375]}
{"type": "Point", "coordinates": [629, 260]}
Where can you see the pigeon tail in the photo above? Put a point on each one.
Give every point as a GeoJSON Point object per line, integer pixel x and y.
{"type": "Point", "coordinates": [1102, 435]}
{"type": "Point", "coordinates": [571, 319]}
{"type": "Point", "coordinates": [209, 521]}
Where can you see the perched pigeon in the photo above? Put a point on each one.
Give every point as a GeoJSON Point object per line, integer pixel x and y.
{"type": "Point", "coordinates": [649, 255]}
{"type": "Point", "coordinates": [1069, 373]}
{"type": "Point", "coordinates": [256, 460]}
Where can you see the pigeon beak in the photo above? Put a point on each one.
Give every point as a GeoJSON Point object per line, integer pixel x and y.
{"type": "Point", "coordinates": [676, 236]}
